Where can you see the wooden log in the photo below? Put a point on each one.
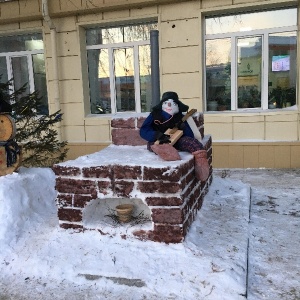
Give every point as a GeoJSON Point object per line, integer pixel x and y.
{"type": "Point", "coordinates": [7, 127]}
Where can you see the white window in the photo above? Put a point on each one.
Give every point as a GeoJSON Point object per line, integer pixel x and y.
{"type": "Point", "coordinates": [22, 61]}
{"type": "Point", "coordinates": [119, 68]}
{"type": "Point", "coordinates": [251, 60]}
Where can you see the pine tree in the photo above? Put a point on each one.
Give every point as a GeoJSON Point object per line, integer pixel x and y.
{"type": "Point", "coordinates": [35, 133]}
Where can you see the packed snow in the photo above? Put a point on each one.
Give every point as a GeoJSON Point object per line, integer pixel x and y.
{"type": "Point", "coordinates": [243, 244]}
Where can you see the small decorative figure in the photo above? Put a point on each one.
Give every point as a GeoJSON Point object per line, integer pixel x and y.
{"type": "Point", "coordinates": [166, 115]}
{"type": "Point", "coordinates": [9, 149]}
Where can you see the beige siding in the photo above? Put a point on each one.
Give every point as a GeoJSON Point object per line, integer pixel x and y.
{"type": "Point", "coordinates": [180, 60]}
{"type": "Point", "coordinates": [70, 5]}
{"type": "Point", "coordinates": [251, 157]}
{"type": "Point", "coordinates": [270, 127]}
{"type": "Point", "coordinates": [220, 127]}
{"type": "Point", "coordinates": [29, 10]}
{"type": "Point", "coordinates": [31, 25]}
{"type": "Point", "coordinates": [248, 131]}
{"type": "Point", "coordinates": [219, 131]}
{"type": "Point", "coordinates": [74, 133]}
{"type": "Point", "coordinates": [92, 18]}
{"type": "Point", "coordinates": [78, 149]}
{"type": "Point", "coordinates": [256, 155]}
{"type": "Point", "coordinates": [73, 114]}
{"type": "Point", "coordinates": [8, 28]}
{"type": "Point", "coordinates": [295, 156]}
{"type": "Point", "coordinates": [185, 84]}
{"type": "Point", "coordinates": [143, 12]}
{"type": "Point", "coordinates": [70, 68]}
{"type": "Point", "coordinates": [67, 43]}
{"type": "Point", "coordinates": [284, 152]}
{"type": "Point", "coordinates": [98, 133]}
{"type": "Point", "coordinates": [9, 10]}
{"type": "Point", "coordinates": [246, 140]}
{"type": "Point", "coordinates": [235, 157]}
{"type": "Point", "coordinates": [71, 91]}
{"type": "Point", "coordinates": [116, 15]}
{"type": "Point", "coordinates": [266, 156]}
{"type": "Point", "coordinates": [220, 156]}
{"type": "Point", "coordinates": [215, 3]}
{"type": "Point", "coordinates": [178, 33]}
{"type": "Point", "coordinates": [281, 131]}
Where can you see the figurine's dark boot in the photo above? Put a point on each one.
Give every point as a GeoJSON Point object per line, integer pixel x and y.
{"type": "Point", "coordinates": [201, 165]}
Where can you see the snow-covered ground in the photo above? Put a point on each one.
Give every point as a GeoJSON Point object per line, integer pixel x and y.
{"type": "Point", "coordinates": [244, 244]}
{"type": "Point", "coordinates": [274, 233]}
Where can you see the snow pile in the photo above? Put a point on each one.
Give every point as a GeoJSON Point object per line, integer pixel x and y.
{"type": "Point", "coordinates": [46, 255]}
{"type": "Point", "coordinates": [39, 260]}
{"type": "Point", "coordinates": [24, 202]}
{"type": "Point", "coordinates": [125, 155]}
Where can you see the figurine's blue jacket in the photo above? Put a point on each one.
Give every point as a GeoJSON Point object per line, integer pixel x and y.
{"type": "Point", "coordinates": [149, 130]}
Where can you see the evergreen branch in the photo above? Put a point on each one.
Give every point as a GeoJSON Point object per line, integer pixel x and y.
{"type": "Point", "coordinates": [35, 133]}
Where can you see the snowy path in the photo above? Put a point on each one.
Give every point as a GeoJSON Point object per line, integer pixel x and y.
{"type": "Point", "coordinates": [274, 258]}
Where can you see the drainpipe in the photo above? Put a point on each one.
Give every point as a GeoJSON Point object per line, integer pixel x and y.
{"type": "Point", "coordinates": [48, 20]}
{"type": "Point", "coordinates": [155, 82]}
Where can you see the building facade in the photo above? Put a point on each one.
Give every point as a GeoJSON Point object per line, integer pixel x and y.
{"type": "Point", "coordinates": [237, 61]}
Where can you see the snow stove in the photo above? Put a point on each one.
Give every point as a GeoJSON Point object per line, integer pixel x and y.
{"type": "Point", "coordinates": [167, 192]}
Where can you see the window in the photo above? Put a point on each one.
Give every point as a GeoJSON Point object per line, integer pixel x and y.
{"type": "Point", "coordinates": [22, 60]}
{"type": "Point", "coordinates": [251, 60]}
{"type": "Point", "coordinates": [119, 68]}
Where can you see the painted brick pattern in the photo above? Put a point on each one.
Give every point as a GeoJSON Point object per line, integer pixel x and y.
{"type": "Point", "coordinates": [126, 131]}
{"type": "Point", "coordinates": [127, 136]}
{"type": "Point", "coordinates": [172, 193]}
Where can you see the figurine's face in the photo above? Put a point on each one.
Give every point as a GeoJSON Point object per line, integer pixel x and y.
{"type": "Point", "coordinates": [170, 107]}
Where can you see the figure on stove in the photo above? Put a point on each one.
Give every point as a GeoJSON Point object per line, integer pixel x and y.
{"type": "Point", "coordinates": [169, 114]}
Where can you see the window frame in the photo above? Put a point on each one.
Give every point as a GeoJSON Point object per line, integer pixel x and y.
{"type": "Point", "coordinates": [110, 47]}
{"type": "Point", "coordinates": [29, 56]}
{"type": "Point", "coordinates": [233, 36]}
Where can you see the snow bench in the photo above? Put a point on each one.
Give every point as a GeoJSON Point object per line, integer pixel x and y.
{"type": "Point", "coordinates": [126, 171]}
